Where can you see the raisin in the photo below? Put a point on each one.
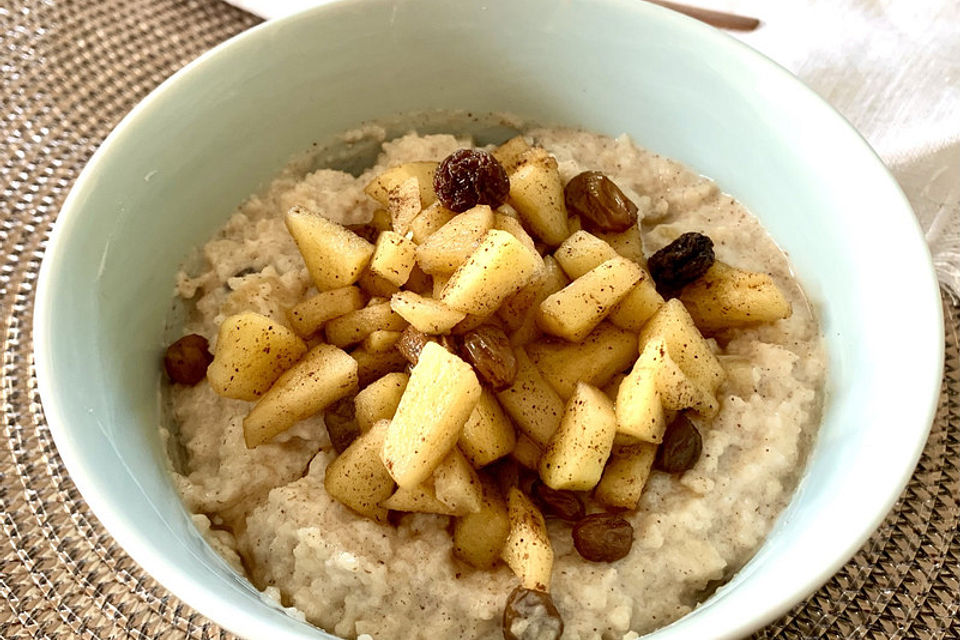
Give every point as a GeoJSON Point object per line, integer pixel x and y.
{"type": "Point", "coordinates": [488, 349]}
{"type": "Point", "coordinates": [531, 615]}
{"type": "Point", "coordinates": [468, 177]}
{"type": "Point", "coordinates": [411, 343]}
{"type": "Point", "coordinates": [681, 446]}
{"type": "Point", "coordinates": [603, 537]}
{"type": "Point", "coordinates": [681, 262]}
{"type": "Point", "coordinates": [340, 420]}
{"type": "Point", "coordinates": [187, 359]}
{"type": "Point", "coordinates": [565, 505]}
{"type": "Point", "coordinates": [599, 202]}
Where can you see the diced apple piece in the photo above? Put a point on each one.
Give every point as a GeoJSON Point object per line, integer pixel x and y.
{"type": "Point", "coordinates": [426, 315]}
{"type": "Point", "coordinates": [420, 499]}
{"type": "Point", "coordinates": [430, 221]}
{"type": "Point", "coordinates": [252, 351]}
{"type": "Point", "coordinates": [393, 257]}
{"type": "Point", "coordinates": [677, 391]}
{"type": "Point", "coordinates": [575, 456]}
{"type": "Point", "coordinates": [380, 187]}
{"type": "Point", "coordinates": [509, 153]}
{"type": "Point", "coordinates": [478, 538]}
{"type": "Point", "coordinates": [639, 410]}
{"type": "Point", "coordinates": [527, 452]}
{"type": "Point", "coordinates": [574, 311]}
{"type": "Point", "coordinates": [334, 255]}
{"type": "Point", "coordinates": [604, 352]}
{"type": "Point", "coordinates": [498, 268]}
{"type": "Point", "coordinates": [376, 285]}
{"type": "Point", "coordinates": [527, 550]}
{"type": "Point", "coordinates": [379, 341]}
{"type": "Point", "coordinates": [379, 400]}
{"type": "Point", "coordinates": [488, 434]}
{"type": "Point", "coordinates": [309, 316]}
{"type": "Point", "coordinates": [404, 205]}
{"type": "Point", "coordinates": [582, 252]}
{"type": "Point", "coordinates": [323, 376]}
{"type": "Point", "coordinates": [536, 192]}
{"type": "Point", "coordinates": [512, 226]}
{"type": "Point", "coordinates": [627, 243]}
{"type": "Point", "coordinates": [625, 476]}
{"type": "Point", "coordinates": [532, 403]}
{"type": "Point", "coordinates": [355, 326]}
{"type": "Point", "coordinates": [527, 331]}
{"type": "Point", "coordinates": [448, 247]}
{"type": "Point", "coordinates": [442, 392]}
{"type": "Point", "coordinates": [357, 478]}
{"type": "Point", "coordinates": [687, 347]}
{"type": "Point", "coordinates": [726, 297]}
{"type": "Point", "coordinates": [638, 306]}
{"type": "Point", "coordinates": [457, 485]}
{"type": "Point", "coordinates": [373, 365]}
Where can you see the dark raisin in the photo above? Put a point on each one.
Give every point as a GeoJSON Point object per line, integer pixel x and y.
{"type": "Point", "coordinates": [341, 422]}
{"type": "Point", "coordinates": [506, 473]}
{"type": "Point", "coordinates": [603, 537]}
{"type": "Point", "coordinates": [680, 448]}
{"type": "Point", "coordinates": [681, 262]}
{"type": "Point", "coordinates": [187, 359]}
{"type": "Point", "coordinates": [411, 343]}
{"type": "Point", "coordinates": [468, 177]}
{"type": "Point", "coordinates": [488, 349]}
{"type": "Point", "coordinates": [565, 505]}
{"type": "Point", "coordinates": [599, 202]}
{"type": "Point", "coordinates": [531, 615]}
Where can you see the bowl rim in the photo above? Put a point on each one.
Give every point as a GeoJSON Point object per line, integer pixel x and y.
{"type": "Point", "coordinates": [250, 624]}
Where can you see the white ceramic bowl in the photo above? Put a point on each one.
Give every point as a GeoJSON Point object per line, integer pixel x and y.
{"type": "Point", "coordinates": [185, 157]}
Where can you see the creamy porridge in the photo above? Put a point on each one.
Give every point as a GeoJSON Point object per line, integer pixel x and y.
{"type": "Point", "coordinates": [266, 509]}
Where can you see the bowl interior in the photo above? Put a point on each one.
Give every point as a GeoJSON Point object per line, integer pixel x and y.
{"type": "Point", "coordinates": [178, 165]}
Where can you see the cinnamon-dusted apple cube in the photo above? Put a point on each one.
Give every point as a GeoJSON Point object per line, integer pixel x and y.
{"type": "Point", "coordinates": [512, 226]}
{"type": "Point", "coordinates": [726, 297]}
{"type": "Point", "coordinates": [687, 347]}
{"type": "Point", "coordinates": [527, 550]}
{"type": "Point", "coordinates": [252, 351]}
{"type": "Point", "coordinates": [403, 203]}
{"type": "Point", "coordinates": [574, 311]}
{"type": "Point", "coordinates": [575, 456]}
{"type": "Point", "coordinates": [527, 452]}
{"type": "Point", "coordinates": [373, 365]}
{"type": "Point", "coordinates": [478, 538]}
{"type": "Point", "coordinates": [355, 326]}
{"type": "Point", "coordinates": [639, 410]}
{"type": "Point", "coordinates": [357, 478]}
{"type": "Point", "coordinates": [627, 243]}
{"type": "Point", "coordinates": [379, 399]}
{"type": "Point", "coordinates": [334, 255]}
{"type": "Point", "coordinates": [429, 221]}
{"type": "Point", "coordinates": [380, 187]}
{"type": "Point", "coordinates": [605, 351]}
{"type": "Point", "coordinates": [309, 316]}
{"type": "Point", "coordinates": [584, 251]}
{"type": "Point", "coordinates": [425, 314]}
{"type": "Point", "coordinates": [488, 434]}
{"type": "Point", "coordinates": [420, 499]}
{"type": "Point", "coordinates": [510, 152]}
{"type": "Point", "coordinates": [523, 312]}
{"type": "Point", "coordinates": [393, 257]}
{"type": "Point", "coordinates": [677, 391]}
{"type": "Point", "coordinates": [441, 394]}
{"type": "Point", "coordinates": [499, 267]}
{"type": "Point", "coordinates": [536, 192]}
{"type": "Point", "coordinates": [457, 485]}
{"type": "Point", "coordinates": [376, 286]}
{"type": "Point", "coordinates": [625, 476]}
{"type": "Point", "coordinates": [531, 402]}
{"type": "Point", "coordinates": [448, 247]}
{"type": "Point", "coordinates": [381, 340]}
{"type": "Point", "coordinates": [323, 376]}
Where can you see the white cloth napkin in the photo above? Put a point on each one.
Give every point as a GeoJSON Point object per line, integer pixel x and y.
{"type": "Point", "coordinates": [891, 67]}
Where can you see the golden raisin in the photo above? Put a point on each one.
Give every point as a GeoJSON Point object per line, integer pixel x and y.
{"type": "Point", "coordinates": [599, 202]}
{"type": "Point", "coordinates": [488, 349]}
{"type": "Point", "coordinates": [531, 615]}
{"type": "Point", "coordinates": [603, 537]}
{"type": "Point", "coordinates": [187, 359]}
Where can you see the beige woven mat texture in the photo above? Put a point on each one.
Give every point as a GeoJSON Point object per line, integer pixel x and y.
{"type": "Point", "coordinates": [70, 71]}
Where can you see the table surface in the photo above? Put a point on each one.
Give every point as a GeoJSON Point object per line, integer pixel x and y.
{"type": "Point", "coordinates": [71, 69]}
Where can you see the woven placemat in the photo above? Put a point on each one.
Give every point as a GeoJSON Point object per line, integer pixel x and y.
{"type": "Point", "coordinates": [70, 71]}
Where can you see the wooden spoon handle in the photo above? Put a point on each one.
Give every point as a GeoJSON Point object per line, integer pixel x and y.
{"type": "Point", "coordinates": [719, 19]}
